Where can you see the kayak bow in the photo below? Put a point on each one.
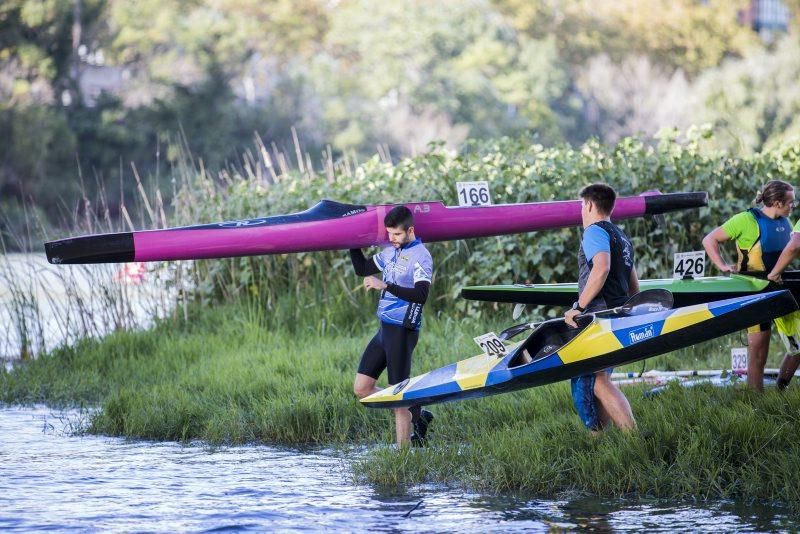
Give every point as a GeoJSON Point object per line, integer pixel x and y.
{"type": "Point", "coordinates": [332, 225]}
{"type": "Point", "coordinates": [554, 351]}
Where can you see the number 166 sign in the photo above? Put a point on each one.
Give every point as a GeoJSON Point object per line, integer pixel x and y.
{"type": "Point", "coordinates": [473, 194]}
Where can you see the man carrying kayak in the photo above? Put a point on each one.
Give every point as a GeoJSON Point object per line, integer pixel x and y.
{"type": "Point", "coordinates": [607, 277]}
{"type": "Point", "coordinates": [407, 271]}
{"type": "Point", "coordinates": [760, 236]}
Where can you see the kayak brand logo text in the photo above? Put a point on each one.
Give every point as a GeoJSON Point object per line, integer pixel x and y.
{"type": "Point", "coordinates": [239, 224]}
{"type": "Point", "coordinates": [354, 212]}
{"type": "Point", "coordinates": [640, 334]}
{"type": "Point", "coordinates": [422, 208]}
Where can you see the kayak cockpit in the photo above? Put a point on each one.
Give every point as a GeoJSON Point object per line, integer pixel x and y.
{"type": "Point", "coordinates": [546, 340]}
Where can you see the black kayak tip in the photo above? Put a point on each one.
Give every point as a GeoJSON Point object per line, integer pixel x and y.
{"type": "Point", "coordinates": [667, 202]}
{"type": "Point", "coordinates": [103, 248]}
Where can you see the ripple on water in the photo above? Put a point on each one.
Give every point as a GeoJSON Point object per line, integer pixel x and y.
{"type": "Point", "coordinates": [49, 480]}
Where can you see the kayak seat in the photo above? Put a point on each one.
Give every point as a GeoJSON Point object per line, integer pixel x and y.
{"type": "Point", "coordinates": [546, 351]}
{"type": "Point", "coordinates": [544, 342]}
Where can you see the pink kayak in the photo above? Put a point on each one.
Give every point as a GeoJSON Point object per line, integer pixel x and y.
{"type": "Point", "coordinates": [331, 225]}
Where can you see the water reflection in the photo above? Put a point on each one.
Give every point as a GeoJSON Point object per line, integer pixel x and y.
{"type": "Point", "coordinates": [50, 479]}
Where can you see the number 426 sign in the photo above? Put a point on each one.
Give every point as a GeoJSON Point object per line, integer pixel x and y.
{"type": "Point", "coordinates": [689, 264]}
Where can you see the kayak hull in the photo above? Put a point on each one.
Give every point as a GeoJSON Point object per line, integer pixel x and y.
{"type": "Point", "coordinates": [685, 292]}
{"type": "Point", "coordinates": [600, 343]}
{"type": "Point", "coordinates": [331, 225]}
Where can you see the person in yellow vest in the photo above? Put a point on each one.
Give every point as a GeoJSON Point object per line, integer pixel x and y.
{"type": "Point", "coordinates": [760, 235]}
{"type": "Point", "coordinates": [792, 321]}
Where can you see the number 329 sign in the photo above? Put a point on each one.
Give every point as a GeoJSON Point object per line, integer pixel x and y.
{"type": "Point", "coordinates": [689, 265]}
{"type": "Point", "coordinates": [473, 194]}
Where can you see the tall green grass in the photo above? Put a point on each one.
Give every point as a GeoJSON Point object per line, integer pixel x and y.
{"type": "Point", "coordinates": [265, 349]}
{"type": "Point", "coordinates": [698, 443]}
{"type": "Point", "coordinates": [238, 374]}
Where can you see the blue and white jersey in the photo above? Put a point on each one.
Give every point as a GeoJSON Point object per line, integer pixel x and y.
{"type": "Point", "coordinates": [405, 267]}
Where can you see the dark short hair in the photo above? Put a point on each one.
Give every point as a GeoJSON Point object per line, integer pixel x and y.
{"type": "Point", "coordinates": [399, 216]}
{"type": "Point", "coordinates": [602, 196]}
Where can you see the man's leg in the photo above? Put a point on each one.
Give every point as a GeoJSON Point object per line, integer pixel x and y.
{"type": "Point", "coordinates": [757, 350]}
{"type": "Point", "coordinates": [788, 327]}
{"type": "Point", "coordinates": [364, 386]}
{"type": "Point", "coordinates": [398, 344]}
{"type": "Point", "coordinates": [402, 426]}
{"type": "Point", "coordinates": [789, 365]}
{"type": "Point", "coordinates": [613, 401]}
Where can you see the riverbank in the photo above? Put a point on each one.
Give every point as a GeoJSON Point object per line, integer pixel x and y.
{"type": "Point", "coordinates": [49, 476]}
{"type": "Point", "coordinates": [233, 375]}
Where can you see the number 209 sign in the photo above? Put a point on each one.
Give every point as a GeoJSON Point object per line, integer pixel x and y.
{"type": "Point", "coordinates": [491, 345]}
{"type": "Point", "coordinates": [689, 265]}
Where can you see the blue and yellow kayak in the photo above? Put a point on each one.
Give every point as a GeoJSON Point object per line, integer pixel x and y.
{"type": "Point", "coordinates": [554, 351]}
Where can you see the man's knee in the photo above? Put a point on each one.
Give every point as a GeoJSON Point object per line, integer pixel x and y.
{"type": "Point", "coordinates": [361, 390]}
{"type": "Point", "coordinates": [363, 386]}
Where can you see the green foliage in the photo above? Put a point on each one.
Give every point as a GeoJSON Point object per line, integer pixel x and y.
{"type": "Point", "coordinates": [241, 374]}
{"type": "Point", "coordinates": [753, 103]}
{"type": "Point", "coordinates": [454, 67]}
{"type": "Point", "coordinates": [517, 171]}
{"type": "Point", "coordinates": [679, 34]}
{"type": "Point", "coordinates": [699, 443]}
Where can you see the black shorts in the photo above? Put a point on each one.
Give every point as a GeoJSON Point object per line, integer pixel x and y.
{"type": "Point", "coordinates": [390, 349]}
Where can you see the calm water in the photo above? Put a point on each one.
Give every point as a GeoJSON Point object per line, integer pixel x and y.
{"type": "Point", "coordinates": [50, 479]}
{"type": "Point", "coordinates": [48, 305]}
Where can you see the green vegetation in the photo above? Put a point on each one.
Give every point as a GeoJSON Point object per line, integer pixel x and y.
{"type": "Point", "coordinates": [697, 443]}
{"type": "Point", "coordinates": [517, 171]}
{"type": "Point", "coordinates": [241, 108]}
{"type": "Point", "coordinates": [93, 92]}
{"type": "Point", "coordinates": [236, 374]}
{"type": "Point", "coordinates": [264, 349]}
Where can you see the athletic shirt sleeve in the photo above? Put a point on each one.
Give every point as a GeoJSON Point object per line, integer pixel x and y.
{"type": "Point", "coordinates": [380, 260]}
{"type": "Point", "coordinates": [743, 229]}
{"type": "Point", "coordinates": [595, 240]}
{"type": "Point", "coordinates": [423, 268]}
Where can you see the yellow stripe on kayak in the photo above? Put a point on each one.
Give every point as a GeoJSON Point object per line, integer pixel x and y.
{"type": "Point", "coordinates": [687, 316]}
{"type": "Point", "coordinates": [595, 340]}
{"type": "Point", "coordinates": [472, 373]}
{"type": "Point", "coordinates": [386, 395]}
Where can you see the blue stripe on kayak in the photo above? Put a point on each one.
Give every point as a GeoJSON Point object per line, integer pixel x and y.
{"type": "Point", "coordinates": [435, 390]}
{"type": "Point", "coordinates": [735, 304]}
{"type": "Point", "coordinates": [554, 360]}
{"type": "Point", "coordinates": [434, 378]}
{"type": "Point", "coordinates": [641, 332]}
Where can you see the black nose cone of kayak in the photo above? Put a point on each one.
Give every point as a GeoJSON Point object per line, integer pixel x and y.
{"type": "Point", "coordinates": [103, 248]}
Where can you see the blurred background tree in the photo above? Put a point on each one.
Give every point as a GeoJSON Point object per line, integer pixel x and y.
{"type": "Point", "coordinates": [92, 89]}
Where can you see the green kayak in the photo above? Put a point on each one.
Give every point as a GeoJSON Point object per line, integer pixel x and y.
{"type": "Point", "coordinates": [685, 292]}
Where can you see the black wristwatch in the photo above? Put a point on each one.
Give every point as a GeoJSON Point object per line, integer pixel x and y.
{"type": "Point", "coordinates": [577, 306]}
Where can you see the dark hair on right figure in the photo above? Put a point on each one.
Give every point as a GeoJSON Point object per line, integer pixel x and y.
{"type": "Point", "coordinates": [773, 191]}
{"type": "Point", "coordinates": [602, 196]}
{"type": "Point", "coordinates": [399, 216]}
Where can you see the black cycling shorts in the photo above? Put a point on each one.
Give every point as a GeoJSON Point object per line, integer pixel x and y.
{"type": "Point", "coordinates": [390, 349]}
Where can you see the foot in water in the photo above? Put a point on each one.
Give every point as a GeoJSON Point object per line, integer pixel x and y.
{"type": "Point", "coordinates": [420, 419]}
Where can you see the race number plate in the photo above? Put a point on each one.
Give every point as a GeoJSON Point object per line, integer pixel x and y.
{"type": "Point", "coordinates": [491, 345]}
{"type": "Point", "coordinates": [739, 359]}
{"type": "Point", "coordinates": [473, 194]}
{"type": "Point", "coordinates": [689, 265]}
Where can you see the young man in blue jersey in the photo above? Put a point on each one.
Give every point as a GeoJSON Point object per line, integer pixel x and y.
{"type": "Point", "coordinates": [607, 277]}
{"type": "Point", "coordinates": [407, 270]}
